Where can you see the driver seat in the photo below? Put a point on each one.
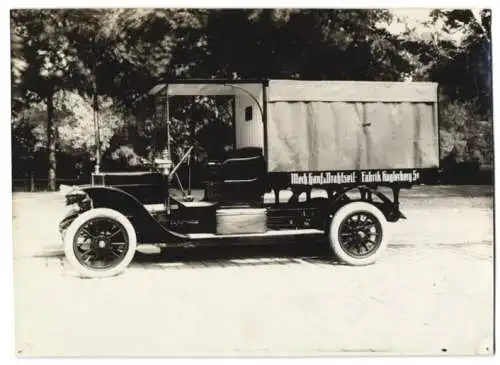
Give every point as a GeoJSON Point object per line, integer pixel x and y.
{"type": "Point", "coordinates": [240, 179]}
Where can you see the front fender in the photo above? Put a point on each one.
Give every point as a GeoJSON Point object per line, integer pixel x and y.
{"type": "Point", "coordinates": [148, 229]}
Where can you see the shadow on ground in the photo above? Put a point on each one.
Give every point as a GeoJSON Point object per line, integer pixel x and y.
{"type": "Point", "coordinates": [246, 253]}
{"type": "Point", "coordinates": [255, 253]}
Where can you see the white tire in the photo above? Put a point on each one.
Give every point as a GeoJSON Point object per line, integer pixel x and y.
{"type": "Point", "coordinates": [97, 234]}
{"type": "Point", "coordinates": [358, 233]}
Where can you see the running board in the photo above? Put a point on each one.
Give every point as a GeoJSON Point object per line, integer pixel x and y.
{"type": "Point", "coordinates": [271, 233]}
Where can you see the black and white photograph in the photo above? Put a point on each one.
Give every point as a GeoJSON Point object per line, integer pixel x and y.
{"type": "Point", "coordinates": [252, 182]}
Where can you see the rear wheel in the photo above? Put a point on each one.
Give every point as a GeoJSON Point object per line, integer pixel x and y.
{"type": "Point", "coordinates": [357, 233]}
{"type": "Point", "coordinates": [100, 242]}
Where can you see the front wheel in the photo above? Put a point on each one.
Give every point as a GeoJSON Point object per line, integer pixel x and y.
{"type": "Point", "coordinates": [357, 233]}
{"type": "Point", "coordinates": [100, 242]}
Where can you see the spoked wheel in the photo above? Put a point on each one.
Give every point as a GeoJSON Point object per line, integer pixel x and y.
{"type": "Point", "coordinates": [100, 242]}
{"type": "Point", "coordinates": [357, 233]}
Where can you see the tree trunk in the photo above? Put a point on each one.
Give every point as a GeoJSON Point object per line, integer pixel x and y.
{"type": "Point", "coordinates": [51, 141]}
{"type": "Point", "coordinates": [32, 182]}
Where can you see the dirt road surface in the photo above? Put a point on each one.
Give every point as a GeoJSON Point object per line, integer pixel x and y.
{"type": "Point", "coordinates": [431, 293]}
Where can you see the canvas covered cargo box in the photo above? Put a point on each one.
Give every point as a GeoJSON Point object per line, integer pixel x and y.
{"type": "Point", "coordinates": [343, 126]}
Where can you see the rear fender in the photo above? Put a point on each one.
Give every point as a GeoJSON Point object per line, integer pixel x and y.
{"type": "Point", "coordinates": [388, 207]}
{"type": "Point", "coordinates": [148, 229]}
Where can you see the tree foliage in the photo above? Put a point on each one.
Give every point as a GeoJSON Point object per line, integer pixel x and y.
{"type": "Point", "coordinates": [45, 61]}
{"type": "Point", "coordinates": [472, 59]}
{"type": "Point", "coordinates": [301, 43]}
{"type": "Point", "coordinates": [459, 129]}
{"type": "Point", "coordinates": [61, 58]}
{"type": "Point", "coordinates": [73, 115]}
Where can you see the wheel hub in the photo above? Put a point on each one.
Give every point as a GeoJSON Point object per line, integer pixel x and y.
{"type": "Point", "coordinates": [361, 235]}
{"type": "Point", "coordinates": [100, 243]}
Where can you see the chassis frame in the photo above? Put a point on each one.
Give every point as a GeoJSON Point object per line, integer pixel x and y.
{"type": "Point", "coordinates": [312, 214]}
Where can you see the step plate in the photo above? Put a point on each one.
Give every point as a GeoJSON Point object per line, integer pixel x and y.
{"type": "Point", "coordinates": [271, 233]}
{"type": "Point", "coordinates": [155, 208]}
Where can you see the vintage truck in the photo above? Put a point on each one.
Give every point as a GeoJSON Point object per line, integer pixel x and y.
{"type": "Point", "coordinates": [350, 140]}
